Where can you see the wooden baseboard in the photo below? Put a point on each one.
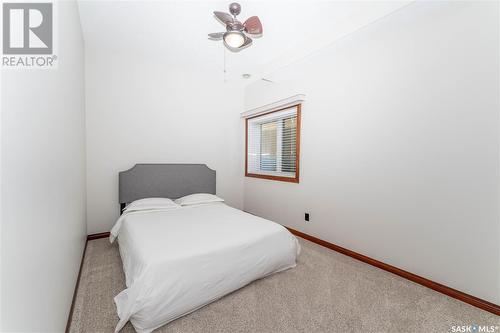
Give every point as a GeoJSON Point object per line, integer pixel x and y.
{"type": "Point", "coordinates": [70, 316]}
{"type": "Point", "coordinates": [89, 237]}
{"type": "Point", "coordinates": [97, 236]}
{"type": "Point", "coordinates": [472, 300]}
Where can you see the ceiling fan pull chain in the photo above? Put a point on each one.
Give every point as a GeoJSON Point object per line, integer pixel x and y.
{"type": "Point", "coordinates": [224, 50]}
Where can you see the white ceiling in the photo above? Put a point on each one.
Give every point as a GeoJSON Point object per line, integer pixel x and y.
{"type": "Point", "coordinates": [177, 31]}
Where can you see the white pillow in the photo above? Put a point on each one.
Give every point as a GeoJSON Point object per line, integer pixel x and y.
{"type": "Point", "coordinates": [198, 198]}
{"type": "Point", "coordinates": [151, 203]}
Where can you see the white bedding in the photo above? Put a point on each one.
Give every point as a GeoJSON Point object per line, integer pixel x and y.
{"type": "Point", "coordinates": [178, 260]}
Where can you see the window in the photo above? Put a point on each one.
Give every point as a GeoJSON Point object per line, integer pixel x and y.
{"type": "Point", "coordinates": [272, 145]}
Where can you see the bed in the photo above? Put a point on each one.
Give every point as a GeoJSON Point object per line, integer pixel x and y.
{"type": "Point", "coordinates": [178, 260]}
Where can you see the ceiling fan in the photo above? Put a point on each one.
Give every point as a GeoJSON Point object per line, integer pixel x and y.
{"type": "Point", "coordinates": [235, 38]}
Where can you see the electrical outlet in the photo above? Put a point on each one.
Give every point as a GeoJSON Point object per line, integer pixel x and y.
{"type": "Point", "coordinates": [306, 216]}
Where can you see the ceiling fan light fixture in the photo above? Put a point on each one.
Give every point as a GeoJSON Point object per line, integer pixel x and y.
{"type": "Point", "coordinates": [234, 39]}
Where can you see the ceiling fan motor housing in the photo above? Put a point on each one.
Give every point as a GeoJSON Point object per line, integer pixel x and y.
{"type": "Point", "coordinates": [235, 25]}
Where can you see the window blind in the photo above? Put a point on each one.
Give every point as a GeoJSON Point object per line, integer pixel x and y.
{"type": "Point", "coordinates": [272, 144]}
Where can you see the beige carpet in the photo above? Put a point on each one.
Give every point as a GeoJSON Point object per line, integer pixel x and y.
{"type": "Point", "coordinates": [326, 292]}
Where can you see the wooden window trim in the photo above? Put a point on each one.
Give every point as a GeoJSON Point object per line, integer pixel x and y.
{"type": "Point", "coordinates": [297, 144]}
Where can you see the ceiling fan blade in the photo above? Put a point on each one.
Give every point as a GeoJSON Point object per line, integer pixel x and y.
{"type": "Point", "coordinates": [216, 35]}
{"type": "Point", "coordinates": [253, 26]}
{"type": "Point", "coordinates": [224, 17]}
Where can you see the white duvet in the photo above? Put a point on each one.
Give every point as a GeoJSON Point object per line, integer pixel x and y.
{"type": "Point", "coordinates": [178, 260]}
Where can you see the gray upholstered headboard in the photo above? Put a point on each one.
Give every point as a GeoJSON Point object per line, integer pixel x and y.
{"type": "Point", "coordinates": [164, 180]}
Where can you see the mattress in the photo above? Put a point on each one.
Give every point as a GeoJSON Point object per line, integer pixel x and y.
{"type": "Point", "coordinates": [178, 260]}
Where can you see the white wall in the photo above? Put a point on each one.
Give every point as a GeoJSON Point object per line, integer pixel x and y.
{"type": "Point", "coordinates": [142, 109]}
{"type": "Point", "coordinates": [43, 185]}
{"type": "Point", "coordinates": [400, 144]}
